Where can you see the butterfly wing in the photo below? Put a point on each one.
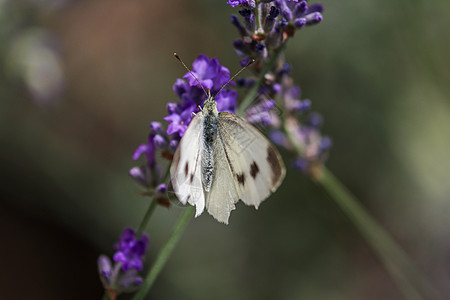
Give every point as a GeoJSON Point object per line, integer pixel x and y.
{"type": "Point", "coordinates": [247, 168]}
{"type": "Point", "coordinates": [223, 194]}
{"type": "Point", "coordinates": [185, 171]}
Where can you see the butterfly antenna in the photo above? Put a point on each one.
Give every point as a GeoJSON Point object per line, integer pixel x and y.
{"type": "Point", "coordinates": [208, 94]}
{"type": "Point", "coordinates": [239, 72]}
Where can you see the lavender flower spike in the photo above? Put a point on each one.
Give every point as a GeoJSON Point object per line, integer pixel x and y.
{"type": "Point", "coordinates": [123, 275]}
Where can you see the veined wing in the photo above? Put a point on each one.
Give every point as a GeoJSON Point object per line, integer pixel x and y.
{"type": "Point", "coordinates": [223, 195]}
{"type": "Point", "coordinates": [185, 171]}
{"type": "Point", "coordinates": [254, 163]}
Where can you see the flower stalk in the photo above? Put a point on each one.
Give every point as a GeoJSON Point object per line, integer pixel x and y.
{"type": "Point", "coordinates": [147, 216]}
{"type": "Point", "coordinates": [165, 252]}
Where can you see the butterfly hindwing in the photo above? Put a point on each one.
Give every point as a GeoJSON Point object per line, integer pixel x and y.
{"type": "Point", "coordinates": [223, 194]}
{"type": "Point", "coordinates": [185, 171]}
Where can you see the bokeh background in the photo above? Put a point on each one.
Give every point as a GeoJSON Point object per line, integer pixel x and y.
{"type": "Point", "coordinates": [81, 80]}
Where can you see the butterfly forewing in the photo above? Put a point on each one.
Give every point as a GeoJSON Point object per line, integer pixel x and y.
{"type": "Point", "coordinates": [185, 171]}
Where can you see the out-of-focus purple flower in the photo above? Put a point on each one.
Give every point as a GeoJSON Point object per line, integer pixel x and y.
{"type": "Point", "coordinates": [279, 19]}
{"type": "Point", "coordinates": [299, 13]}
{"type": "Point", "coordinates": [263, 114]}
{"type": "Point", "coordinates": [209, 72]}
{"type": "Point", "coordinates": [148, 150]}
{"type": "Point", "coordinates": [161, 189]}
{"type": "Point", "coordinates": [122, 276]}
{"type": "Point", "coordinates": [149, 175]}
{"type": "Point", "coordinates": [130, 251]}
{"type": "Point", "coordinates": [308, 139]}
{"type": "Point", "coordinates": [226, 101]}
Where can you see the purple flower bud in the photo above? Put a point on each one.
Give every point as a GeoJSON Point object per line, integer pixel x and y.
{"type": "Point", "coordinates": [180, 87]}
{"type": "Point", "coordinates": [245, 3]}
{"type": "Point", "coordinates": [104, 268]}
{"type": "Point", "coordinates": [156, 126]}
{"type": "Point", "coordinates": [325, 143]}
{"type": "Point", "coordinates": [245, 61]}
{"type": "Point", "coordinates": [287, 14]}
{"type": "Point", "coordinates": [160, 141]}
{"type": "Point", "coordinates": [301, 164]}
{"type": "Point", "coordinates": [245, 13]}
{"type": "Point", "coordinates": [300, 8]}
{"type": "Point", "coordinates": [235, 21]}
{"type": "Point", "coordinates": [173, 145]}
{"type": "Point", "coordinates": [282, 23]}
{"type": "Point", "coordinates": [305, 105]}
{"type": "Point", "coordinates": [300, 22]}
{"type": "Point", "coordinates": [139, 175]}
{"type": "Point", "coordinates": [130, 279]}
{"type": "Point", "coordinates": [139, 150]}
{"type": "Point", "coordinates": [249, 18]}
{"type": "Point", "coordinates": [315, 120]}
{"type": "Point", "coordinates": [259, 47]}
{"type": "Point", "coordinates": [270, 20]}
{"type": "Point", "coordinates": [286, 69]}
{"type": "Point", "coordinates": [161, 189]}
{"type": "Point", "coordinates": [315, 8]}
{"type": "Point", "coordinates": [172, 107]}
{"type": "Point", "coordinates": [234, 3]}
{"type": "Point", "coordinates": [313, 18]}
{"type": "Point", "coordinates": [279, 138]}
{"type": "Point", "coordinates": [277, 88]}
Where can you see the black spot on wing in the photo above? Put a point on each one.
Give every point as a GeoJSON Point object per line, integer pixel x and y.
{"type": "Point", "coordinates": [188, 197]}
{"type": "Point", "coordinates": [254, 169]}
{"type": "Point", "coordinates": [241, 178]}
{"type": "Point", "coordinates": [186, 169]}
{"type": "Point", "coordinates": [274, 163]}
{"type": "Point", "coordinates": [192, 178]}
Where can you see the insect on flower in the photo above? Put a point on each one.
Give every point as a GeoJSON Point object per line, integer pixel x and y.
{"type": "Point", "coordinates": [222, 159]}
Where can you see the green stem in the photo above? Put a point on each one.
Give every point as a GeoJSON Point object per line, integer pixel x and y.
{"type": "Point", "coordinates": [396, 261]}
{"type": "Point", "coordinates": [251, 95]}
{"type": "Point", "coordinates": [165, 253]}
{"type": "Point", "coordinates": [258, 17]}
{"type": "Point", "coordinates": [146, 219]}
{"type": "Point", "coordinates": [105, 296]}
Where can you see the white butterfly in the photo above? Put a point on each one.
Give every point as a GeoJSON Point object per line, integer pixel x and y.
{"type": "Point", "coordinates": [222, 159]}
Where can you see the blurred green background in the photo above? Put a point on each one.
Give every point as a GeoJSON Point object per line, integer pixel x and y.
{"type": "Point", "coordinates": [81, 80]}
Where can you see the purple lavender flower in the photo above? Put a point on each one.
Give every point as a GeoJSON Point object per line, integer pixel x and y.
{"type": "Point", "coordinates": [150, 174]}
{"type": "Point", "coordinates": [130, 251]}
{"type": "Point", "coordinates": [212, 76]}
{"type": "Point", "coordinates": [279, 20]}
{"type": "Point", "coordinates": [245, 3]}
{"type": "Point", "coordinates": [299, 13]}
{"type": "Point", "coordinates": [209, 72]}
{"type": "Point", "coordinates": [226, 101]}
{"type": "Point", "coordinates": [123, 275]}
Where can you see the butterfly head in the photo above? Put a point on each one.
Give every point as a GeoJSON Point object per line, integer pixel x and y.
{"type": "Point", "coordinates": [210, 105]}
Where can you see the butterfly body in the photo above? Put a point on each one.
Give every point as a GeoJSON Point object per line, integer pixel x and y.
{"type": "Point", "coordinates": [210, 120]}
{"type": "Point", "coordinates": [221, 160]}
